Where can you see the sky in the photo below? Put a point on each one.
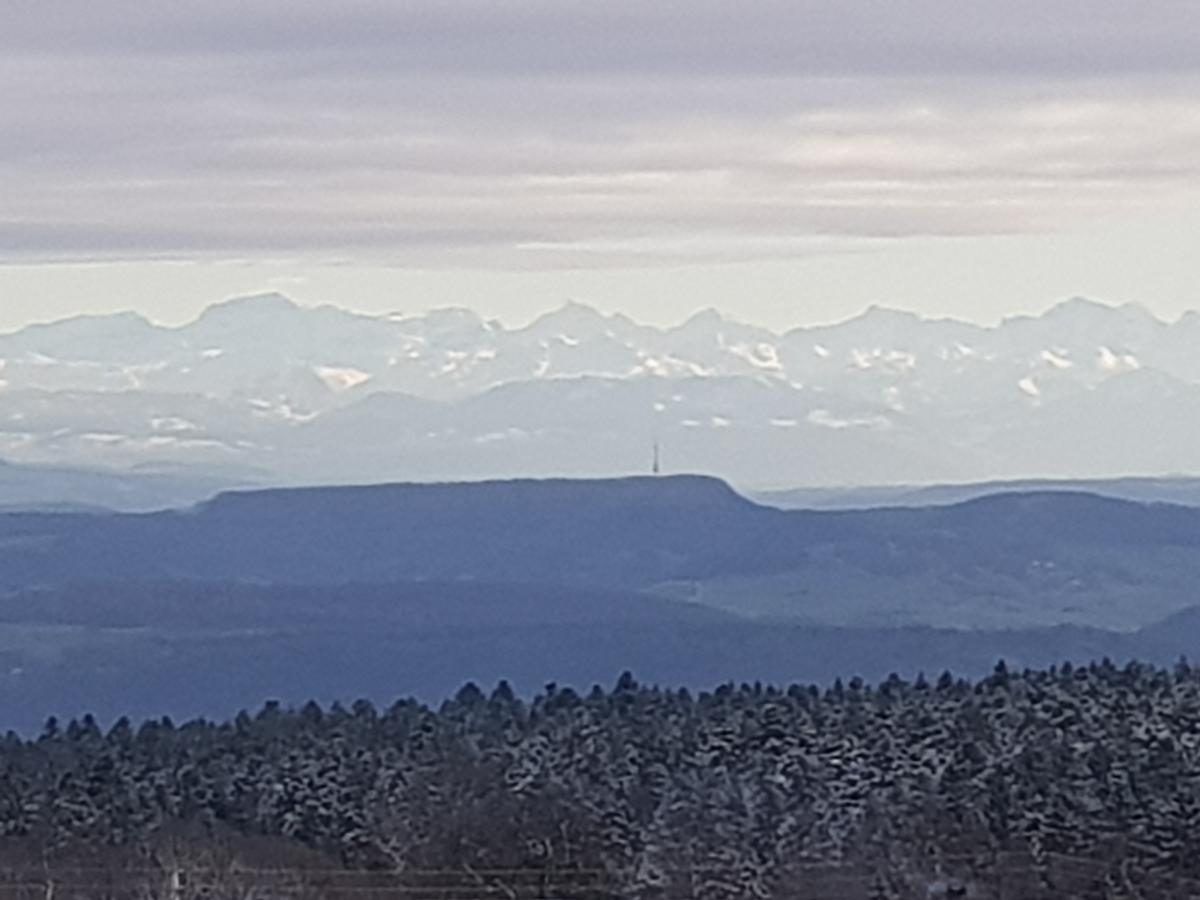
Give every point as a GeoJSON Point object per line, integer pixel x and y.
{"type": "Point", "coordinates": [785, 162]}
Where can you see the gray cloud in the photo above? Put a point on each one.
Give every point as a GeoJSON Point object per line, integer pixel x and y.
{"type": "Point", "coordinates": [776, 37]}
{"type": "Point", "coordinates": [550, 133]}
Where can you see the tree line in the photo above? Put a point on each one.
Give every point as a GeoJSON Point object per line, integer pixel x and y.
{"type": "Point", "coordinates": [746, 790]}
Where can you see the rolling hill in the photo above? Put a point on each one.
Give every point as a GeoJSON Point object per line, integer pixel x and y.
{"type": "Point", "coordinates": [1008, 560]}
{"type": "Point", "coordinates": [398, 589]}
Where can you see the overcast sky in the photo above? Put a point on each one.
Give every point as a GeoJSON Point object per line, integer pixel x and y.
{"type": "Point", "coordinates": [784, 161]}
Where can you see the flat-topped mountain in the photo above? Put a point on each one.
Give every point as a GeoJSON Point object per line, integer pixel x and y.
{"type": "Point", "coordinates": [632, 532]}
{"type": "Point", "coordinates": [1005, 560]}
{"type": "Point", "coordinates": [540, 497]}
{"type": "Point", "coordinates": [323, 394]}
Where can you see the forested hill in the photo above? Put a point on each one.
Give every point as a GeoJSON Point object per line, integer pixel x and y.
{"type": "Point", "coordinates": [669, 794]}
{"type": "Point", "coordinates": [629, 533]}
{"type": "Point", "coordinates": [375, 591]}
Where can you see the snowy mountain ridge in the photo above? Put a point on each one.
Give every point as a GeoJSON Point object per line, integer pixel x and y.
{"type": "Point", "coordinates": [315, 353]}
{"type": "Point", "coordinates": [1083, 390]}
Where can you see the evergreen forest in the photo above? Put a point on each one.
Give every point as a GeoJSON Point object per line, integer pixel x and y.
{"type": "Point", "coordinates": [1068, 781]}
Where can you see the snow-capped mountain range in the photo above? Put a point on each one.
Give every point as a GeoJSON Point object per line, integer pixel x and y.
{"type": "Point", "coordinates": [261, 384]}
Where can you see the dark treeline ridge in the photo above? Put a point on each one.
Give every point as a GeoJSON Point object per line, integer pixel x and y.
{"type": "Point", "coordinates": [717, 794]}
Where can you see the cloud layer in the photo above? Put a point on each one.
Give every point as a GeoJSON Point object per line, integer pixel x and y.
{"type": "Point", "coordinates": [541, 134]}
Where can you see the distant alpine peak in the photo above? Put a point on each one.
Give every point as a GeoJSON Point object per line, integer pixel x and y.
{"type": "Point", "coordinates": [572, 313]}
{"type": "Point", "coordinates": [882, 312]}
{"type": "Point", "coordinates": [579, 312]}
{"type": "Point", "coordinates": [253, 304]}
{"type": "Point", "coordinates": [573, 307]}
{"type": "Point", "coordinates": [1083, 325]}
{"type": "Point", "coordinates": [710, 315]}
{"type": "Point", "coordinates": [262, 382]}
{"type": "Point", "coordinates": [292, 361]}
{"type": "Point", "coordinates": [1085, 307]}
